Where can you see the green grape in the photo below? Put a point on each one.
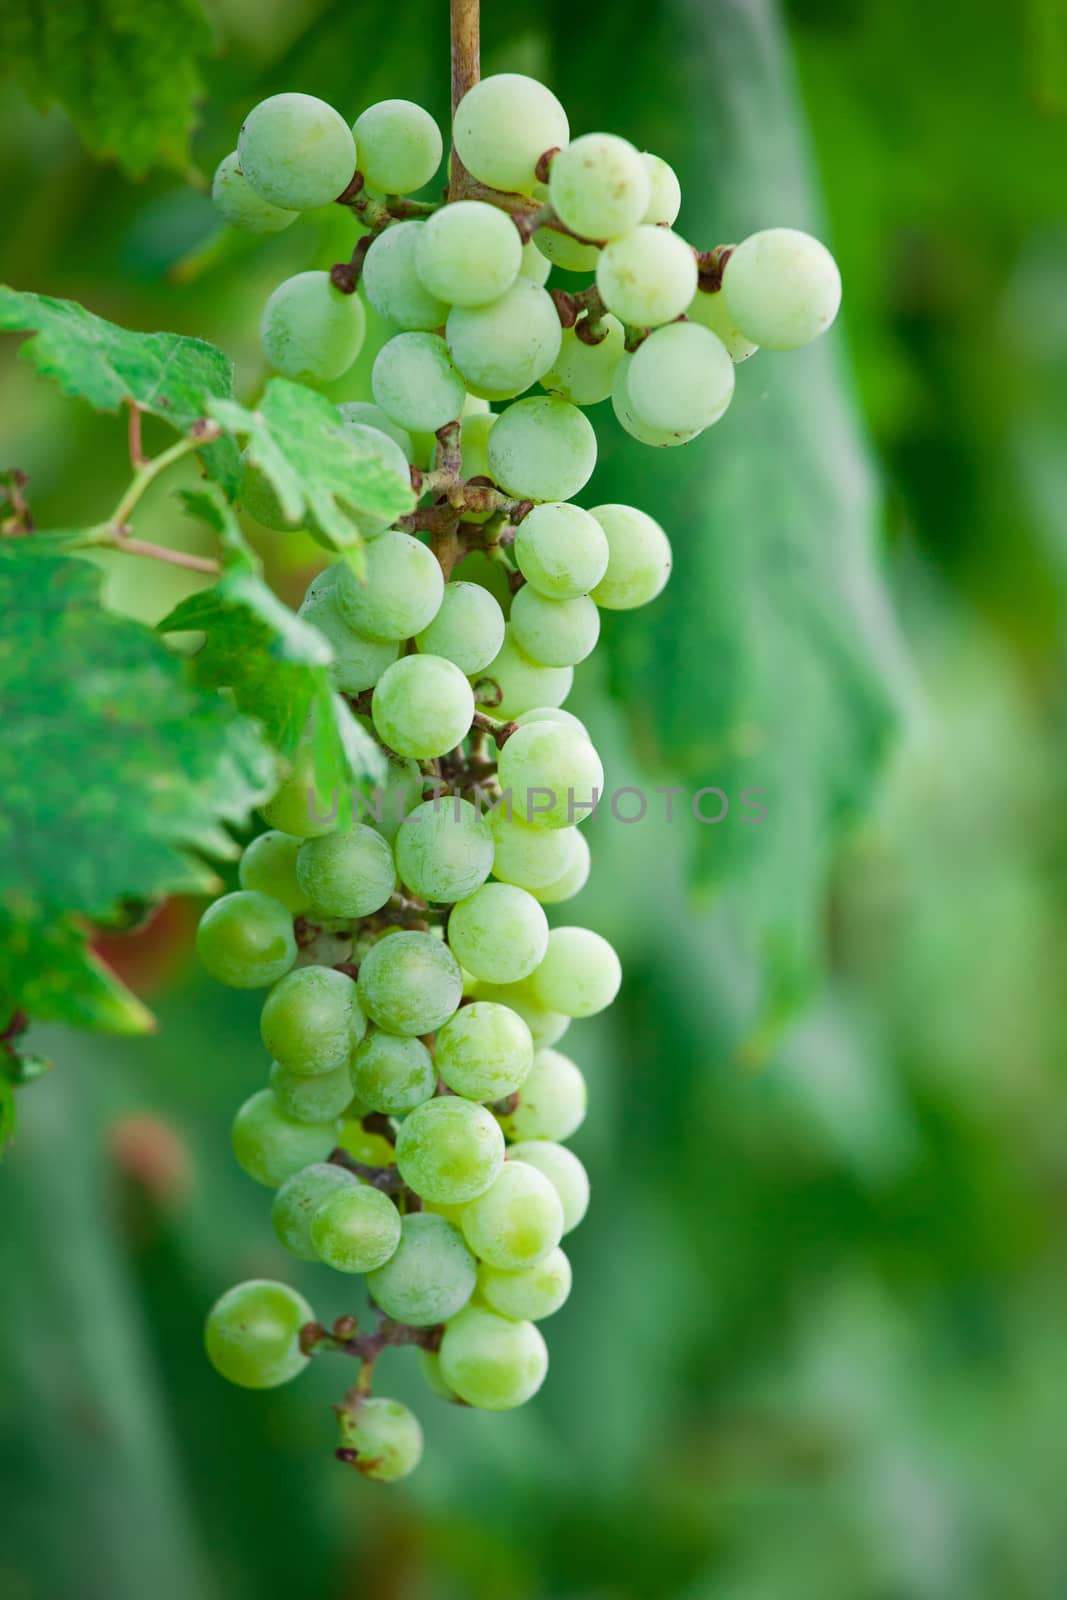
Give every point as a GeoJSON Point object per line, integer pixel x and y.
{"type": "Point", "coordinates": [553, 1101]}
{"type": "Point", "coordinates": [521, 682]}
{"type": "Point", "coordinates": [530, 858]}
{"type": "Point", "coordinates": [554, 633]}
{"type": "Point", "coordinates": [561, 551]}
{"type": "Point", "coordinates": [647, 277]}
{"type": "Point", "coordinates": [431, 1274]}
{"type": "Point", "coordinates": [409, 983]}
{"type": "Point", "coordinates": [296, 151]}
{"type": "Point", "coordinates": [296, 807]}
{"type": "Point", "coordinates": [399, 146]}
{"type": "Point", "coordinates": [452, 1214]}
{"type": "Point", "coordinates": [517, 1221]}
{"type": "Point", "coordinates": [503, 126]}
{"type": "Point", "coordinates": [422, 706]}
{"type": "Point", "coordinates": [484, 1052]}
{"type": "Point", "coordinates": [570, 882]}
{"type": "Point", "coordinates": [449, 1150]}
{"type": "Point", "coordinates": [628, 418]}
{"type": "Point", "coordinates": [503, 347]}
{"type": "Point", "coordinates": [311, 331]}
{"type": "Point", "coordinates": [563, 1170]}
{"type": "Point", "coordinates": [383, 1434]}
{"type": "Point", "coordinates": [238, 203]}
{"type": "Point", "coordinates": [393, 1074]}
{"type": "Point", "coordinates": [710, 310]}
{"type": "Point", "coordinates": [358, 661]}
{"type": "Point", "coordinates": [639, 559]}
{"type": "Point", "coordinates": [252, 1334]}
{"type": "Point", "coordinates": [259, 499]}
{"type": "Point", "coordinates": [554, 774]}
{"type": "Point", "coordinates": [245, 940]}
{"type": "Point", "coordinates": [492, 1362]}
{"type": "Point", "coordinates": [429, 1364]}
{"type": "Point", "coordinates": [308, 1019]}
{"type": "Point", "coordinates": [546, 1027]}
{"type": "Point", "coordinates": [270, 1146]}
{"type": "Point", "coordinates": [401, 794]}
{"type": "Point", "coordinates": [367, 412]}
{"type": "Point", "coordinates": [468, 629]}
{"type": "Point", "coordinates": [374, 1149]}
{"type": "Point", "coordinates": [782, 288]}
{"type": "Point", "coordinates": [268, 866]}
{"type": "Point", "coordinates": [680, 378]}
{"type": "Point", "coordinates": [534, 265]}
{"type": "Point", "coordinates": [444, 849]}
{"type": "Point", "coordinates": [347, 874]}
{"type": "Point", "coordinates": [392, 285]}
{"type": "Point", "coordinates": [530, 1294]}
{"type": "Point", "coordinates": [401, 593]}
{"type": "Point", "coordinates": [566, 719]}
{"type": "Point", "coordinates": [474, 406]}
{"type": "Point", "coordinates": [599, 186]}
{"type": "Point", "coordinates": [469, 253]}
{"type": "Point", "coordinates": [317, 1099]}
{"type": "Point", "coordinates": [584, 373]}
{"type": "Point", "coordinates": [542, 449]}
{"type": "Point", "coordinates": [664, 192]}
{"type": "Point", "coordinates": [561, 250]}
{"type": "Point", "coordinates": [299, 1198]}
{"type": "Point", "coordinates": [356, 1229]}
{"type": "Point", "coordinates": [474, 443]}
{"type": "Point", "coordinates": [500, 934]}
{"type": "Point", "coordinates": [580, 974]}
{"type": "Point", "coordinates": [415, 383]}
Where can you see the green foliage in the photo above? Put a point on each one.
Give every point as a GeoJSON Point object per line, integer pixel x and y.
{"type": "Point", "coordinates": [276, 664]}
{"type": "Point", "coordinates": [166, 374]}
{"type": "Point", "coordinates": [321, 474]}
{"type": "Point", "coordinates": [127, 74]}
{"type": "Point", "coordinates": [117, 778]}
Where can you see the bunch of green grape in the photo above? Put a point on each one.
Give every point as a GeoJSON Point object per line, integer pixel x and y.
{"type": "Point", "coordinates": [416, 1108]}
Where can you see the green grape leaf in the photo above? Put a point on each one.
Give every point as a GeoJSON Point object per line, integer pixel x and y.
{"type": "Point", "coordinates": [276, 664]}
{"type": "Point", "coordinates": [119, 776]}
{"type": "Point", "coordinates": [772, 661]}
{"type": "Point", "coordinates": [320, 474]}
{"type": "Point", "coordinates": [168, 375]}
{"type": "Point", "coordinates": [126, 75]}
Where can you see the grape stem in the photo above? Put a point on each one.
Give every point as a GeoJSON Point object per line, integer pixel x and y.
{"type": "Point", "coordinates": [345, 1338]}
{"type": "Point", "coordinates": [500, 732]}
{"type": "Point", "coordinates": [387, 1179]}
{"type": "Point", "coordinates": [137, 456]}
{"type": "Point", "coordinates": [710, 265]}
{"type": "Point", "coordinates": [201, 433]}
{"type": "Point", "coordinates": [465, 28]}
{"type": "Point", "coordinates": [12, 492]}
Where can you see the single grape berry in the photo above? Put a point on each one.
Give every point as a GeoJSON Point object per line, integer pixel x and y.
{"type": "Point", "coordinates": [245, 940]}
{"type": "Point", "coordinates": [311, 1020]}
{"type": "Point", "coordinates": [381, 1438]}
{"type": "Point", "coordinates": [429, 1276]}
{"type": "Point", "coordinates": [399, 146]}
{"type": "Point", "coordinates": [253, 1334]}
{"type": "Point", "coordinates": [491, 1361]}
{"type": "Point", "coordinates": [296, 151]}
{"type": "Point", "coordinates": [356, 1229]}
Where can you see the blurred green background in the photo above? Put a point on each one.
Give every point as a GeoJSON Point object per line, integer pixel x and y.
{"type": "Point", "coordinates": [816, 1342]}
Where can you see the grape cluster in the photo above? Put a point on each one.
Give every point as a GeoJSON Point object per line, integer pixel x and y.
{"type": "Point", "coordinates": [416, 1108]}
